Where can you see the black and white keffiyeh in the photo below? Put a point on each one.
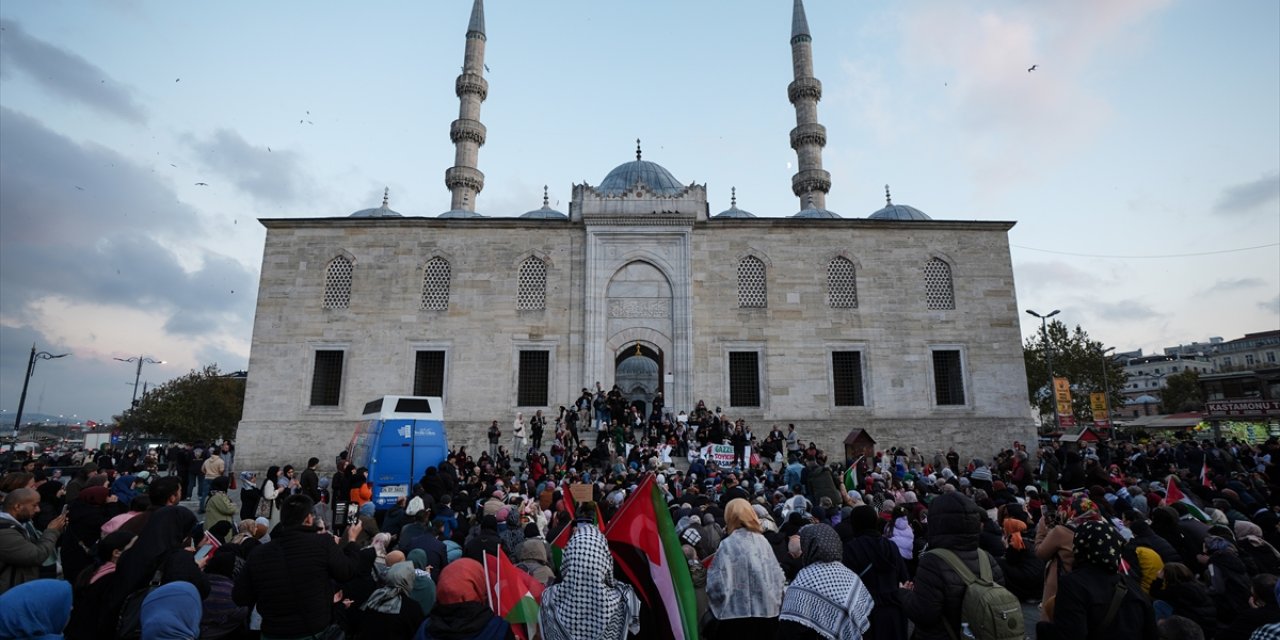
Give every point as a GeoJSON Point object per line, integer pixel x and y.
{"type": "Point", "coordinates": [588, 602]}
{"type": "Point", "coordinates": [826, 596]}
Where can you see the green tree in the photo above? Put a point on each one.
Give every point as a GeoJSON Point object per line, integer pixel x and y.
{"type": "Point", "coordinates": [1084, 362]}
{"type": "Point", "coordinates": [201, 405]}
{"type": "Point", "coordinates": [1181, 392]}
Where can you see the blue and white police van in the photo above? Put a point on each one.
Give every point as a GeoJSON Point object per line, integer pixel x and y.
{"type": "Point", "coordinates": [397, 438]}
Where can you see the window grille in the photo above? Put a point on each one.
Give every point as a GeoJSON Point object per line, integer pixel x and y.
{"type": "Point", "coordinates": [532, 379]}
{"type": "Point", "coordinates": [938, 293]}
{"type": "Point", "coordinates": [326, 379]}
{"type": "Point", "coordinates": [337, 284]}
{"type": "Point", "coordinates": [846, 372]}
{"type": "Point", "coordinates": [751, 284]}
{"type": "Point", "coordinates": [428, 374]}
{"type": "Point", "coordinates": [842, 284]}
{"type": "Point", "coordinates": [744, 379]}
{"type": "Point", "coordinates": [435, 285]}
{"type": "Point", "coordinates": [948, 377]}
{"type": "Point", "coordinates": [532, 292]}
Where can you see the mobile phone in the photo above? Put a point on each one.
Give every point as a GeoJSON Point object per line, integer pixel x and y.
{"type": "Point", "coordinates": [65, 509]}
{"type": "Point", "coordinates": [203, 552]}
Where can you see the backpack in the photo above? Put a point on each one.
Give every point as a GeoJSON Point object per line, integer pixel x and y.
{"type": "Point", "coordinates": [991, 611]}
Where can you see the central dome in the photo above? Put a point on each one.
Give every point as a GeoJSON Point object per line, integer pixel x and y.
{"type": "Point", "coordinates": [626, 176]}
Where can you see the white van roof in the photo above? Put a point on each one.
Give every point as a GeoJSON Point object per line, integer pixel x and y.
{"type": "Point", "coordinates": [405, 407]}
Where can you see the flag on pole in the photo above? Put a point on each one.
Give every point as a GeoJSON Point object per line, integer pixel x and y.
{"type": "Point", "coordinates": [513, 594]}
{"type": "Point", "coordinates": [1174, 494]}
{"type": "Point", "coordinates": [643, 541]}
{"type": "Point", "coordinates": [1206, 479]}
{"type": "Point", "coordinates": [851, 475]}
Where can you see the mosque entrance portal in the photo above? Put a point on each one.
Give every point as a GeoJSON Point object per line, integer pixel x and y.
{"type": "Point", "coordinates": [638, 373]}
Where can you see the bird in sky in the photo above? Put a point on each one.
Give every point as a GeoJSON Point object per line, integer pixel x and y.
{"type": "Point", "coordinates": [80, 187]}
{"type": "Point", "coordinates": [202, 184]}
{"type": "Point", "coordinates": [1032, 68]}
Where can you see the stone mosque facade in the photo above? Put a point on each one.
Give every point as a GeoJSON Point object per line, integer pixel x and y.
{"type": "Point", "coordinates": [896, 323]}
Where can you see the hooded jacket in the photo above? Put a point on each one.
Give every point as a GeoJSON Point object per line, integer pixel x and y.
{"type": "Point", "coordinates": [934, 603]}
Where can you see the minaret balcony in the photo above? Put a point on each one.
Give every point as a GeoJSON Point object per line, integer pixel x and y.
{"type": "Point", "coordinates": [801, 88]}
{"type": "Point", "coordinates": [808, 180]}
{"type": "Point", "coordinates": [468, 130]}
{"type": "Point", "coordinates": [471, 83]}
{"type": "Point", "coordinates": [809, 133]}
{"type": "Point", "coordinates": [469, 177]}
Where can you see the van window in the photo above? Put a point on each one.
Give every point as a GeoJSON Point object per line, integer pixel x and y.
{"type": "Point", "coordinates": [413, 405]}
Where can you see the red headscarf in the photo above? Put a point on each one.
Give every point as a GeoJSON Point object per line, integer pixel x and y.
{"type": "Point", "coordinates": [461, 581]}
{"type": "Point", "coordinates": [94, 495]}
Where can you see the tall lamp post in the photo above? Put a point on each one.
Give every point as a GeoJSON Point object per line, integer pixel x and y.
{"type": "Point", "coordinates": [137, 375]}
{"type": "Point", "coordinates": [1106, 384]}
{"type": "Point", "coordinates": [22, 400]}
{"type": "Point", "coordinates": [1048, 357]}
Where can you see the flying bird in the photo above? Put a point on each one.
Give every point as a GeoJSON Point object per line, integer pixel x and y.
{"type": "Point", "coordinates": [1032, 68]}
{"type": "Point", "coordinates": [486, 67]}
{"type": "Point", "coordinates": [80, 187]}
{"type": "Point", "coordinates": [268, 149]}
{"type": "Point", "coordinates": [173, 165]}
{"type": "Point", "coordinates": [177, 79]}
{"type": "Point", "coordinates": [202, 184]}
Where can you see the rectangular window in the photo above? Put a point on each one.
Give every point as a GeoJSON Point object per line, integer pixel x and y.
{"type": "Point", "coordinates": [531, 389]}
{"type": "Point", "coordinates": [1271, 356]}
{"type": "Point", "coordinates": [744, 379]}
{"type": "Point", "coordinates": [326, 379]}
{"type": "Point", "coordinates": [948, 377]}
{"type": "Point", "coordinates": [846, 373]}
{"type": "Point", "coordinates": [1248, 359]}
{"type": "Point", "coordinates": [428, 374]}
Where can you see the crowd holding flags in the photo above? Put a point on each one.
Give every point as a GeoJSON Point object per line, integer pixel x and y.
{"type": "Point", "coordinates": [513, 594]}
{"type": "Point", "coordinates": [1174, 494]}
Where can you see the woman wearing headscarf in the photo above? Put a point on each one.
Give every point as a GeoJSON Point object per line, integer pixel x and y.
{"type": "Point", "coordinates": [1095, 600]}
{"type": "Point", "coordinates": [531, 557]}
{"type": "Point", "coordinates": [1055, 548]}
{"type": "Point", "coordinates": [424, 587]}
{"type": "Point", "coordinates": [826, 600]}
{"type": "Point", "coordinates": [877, 561]}
{"type": "Point", "coordinates": [91, 586]}
{"type": "Point", "coordinates": [391, 612]}
{"type": "Point", "coordinates": [588, 602]}
{"type": "Point", "coordinates": [160, 549]}
{"type": "Point", "coordinates": [745, 583]}
{"type": "Point", "coordinates": [85, 517]}
{"type": "Point", "coordinates": [219, 507]}
{"type": "Point", "coordinates": [38, 609]}
{"type": "Point", "coordinates": [171, 612]}
{"type": "Point", "coordinates": [462, 611]}
{"type": "Point", "coordinates": [1228, 579]}
{"type": "Point", "coordinates": [361, 491]}
{"type": "Point", "coordinates": [1023, 571]}
{"type": "Point", "coordinates": [269, 491]}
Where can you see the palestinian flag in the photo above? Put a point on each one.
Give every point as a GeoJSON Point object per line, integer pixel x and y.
{"type": "Point", "coordinates": [1173, 494]}
{"type": "Point", "coordinates": [851, 475]}
{"type": "Point", "coordinates": [513, 594]}
{"type": "Point", "coordinates": [1206, 478]}
{"type": "Point", "coordinates": [644, 544]}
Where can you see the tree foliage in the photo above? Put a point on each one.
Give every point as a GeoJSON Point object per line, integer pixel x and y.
{"type": "Point", "coordinates": [201, 405]}
{"type": "Point", "coordinates": [1078, 359]}
{"type": "Point", "coordinates": [1181, 392]}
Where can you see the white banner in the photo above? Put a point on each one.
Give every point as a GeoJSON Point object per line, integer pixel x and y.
{"type": "Point", "coordinates": [722, 454]}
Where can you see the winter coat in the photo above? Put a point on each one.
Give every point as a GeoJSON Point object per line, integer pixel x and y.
{"type": "Point", "coordinates": [1023, 572]}
{"type": "Point", "coordinates": [1085, 596]}
{"type": "Point", "coordinates": [219, 509]}
{"type": "Point", "coordinates": [1189, 600]}
{"type": "Point", "coordinates": [290, 580]}
{"type": "Point", "coordinates": [934, 602]}
{"type": "Point", "coordinates": [881, 568]}
{"type": "Point", "coordinates": [903, 537]}
{"type": "Point", "coordinates": [21, 557]}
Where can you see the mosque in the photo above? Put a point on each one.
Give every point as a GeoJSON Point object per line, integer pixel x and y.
{"type": "Point", "coordinates": [897, 323]}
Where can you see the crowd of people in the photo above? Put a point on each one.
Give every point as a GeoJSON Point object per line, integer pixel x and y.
{"type": "Point", "coordinates": [1169, 539]}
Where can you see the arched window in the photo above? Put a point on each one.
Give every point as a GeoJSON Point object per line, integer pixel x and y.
{"type": "Point", "coordinates": [337, 284]}
{"type": "Point", "coordinates": [842, 284]}
{"type": "Point", "coordinates": [751, 284]}
{"type": "Point", "coordinates": [938, 293]}
{"type": "Point", "coordinates": [532, 293]}
{"type": "Point", "coordinates": [435, 285]}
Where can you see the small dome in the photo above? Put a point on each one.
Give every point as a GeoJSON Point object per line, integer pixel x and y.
{"type": "Point", "coordinates": [380, 212]}
{"type": "Point", "coordinates": [893, 211]}
{"type": "Point", "coordinates": [636, 367]}
{"type": "Point", "coordinates": [546, 212]}
{"type": "Point", "coordinates": [459, 213]}
{"type": "Point", "coordinates": [626, 176]}
{"type": "Point", "coordinates": [899, 212]}
{"type": "Point", "coordinates": [814, 212]}
{"type": "Point", "coordinates": [733, 211]}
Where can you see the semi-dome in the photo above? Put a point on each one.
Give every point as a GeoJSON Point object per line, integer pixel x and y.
{"type": "Point", "coordinates": [899, 212]}
{"type": "Point", "coordinates": [636, 367]}
{"type": "Point", "coordinates": [546, 212]}
{"type": "Point", "coordinates": [893, 211]}
{"type": "Point", "coordinates": [733, 211]}
{"type": "Point", "coordinates": [379, 212]}
{"type": "Point", "coordinates": [626, 176]}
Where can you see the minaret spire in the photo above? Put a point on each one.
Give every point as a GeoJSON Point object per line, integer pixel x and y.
{"type": "Point", "coordinates": [811, 182]}
{"type": "Point", "coordinates": [464, 179]}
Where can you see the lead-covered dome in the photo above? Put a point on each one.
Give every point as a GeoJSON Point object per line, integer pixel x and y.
{"type": "Point", "coordinates": [733, 211]}
{"type": "Point", "coordinates": [627, 176]}
{"type": "Point", "coordinates": [378, 212]}
{"type": "Point", "coordinates": [546, 212]}
{"type": "Point", "coordinates": [893, 211]}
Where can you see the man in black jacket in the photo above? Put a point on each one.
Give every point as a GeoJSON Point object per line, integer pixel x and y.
{"type": "Point", "coordinates": [310, 481]}
{"type": "Point", "coordinates": [291, 578]}
{"type": "Point", "coordinates": [933, 601]}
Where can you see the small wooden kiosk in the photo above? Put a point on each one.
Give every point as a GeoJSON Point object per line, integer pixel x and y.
{"type": "Point", "coordinates": [859, 443]}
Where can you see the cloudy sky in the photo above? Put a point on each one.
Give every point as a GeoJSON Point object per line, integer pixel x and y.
{"type": "Point", "coordinates": [140, 141]}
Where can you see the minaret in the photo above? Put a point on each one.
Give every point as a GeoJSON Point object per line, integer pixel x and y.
{"type": "Point", "coordinates": [811, 182]}
{"type": "Point", "coordinates": [464, 179]}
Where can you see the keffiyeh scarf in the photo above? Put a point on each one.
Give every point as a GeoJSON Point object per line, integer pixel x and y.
{"type": "Point", "coordinates": [826, 596]}
{"type": "Point", "coordinates": [588, 603]}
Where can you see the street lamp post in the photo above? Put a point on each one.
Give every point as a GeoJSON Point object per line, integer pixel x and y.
{"type": "Point", "coordinates": [1048, 357]}
{"type": "Point", "coordinates": [1106, 384]}
{"type": "Point", "coordinates": [22, 400]}
{"type": "Point", "coordinates": [137, 374]}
